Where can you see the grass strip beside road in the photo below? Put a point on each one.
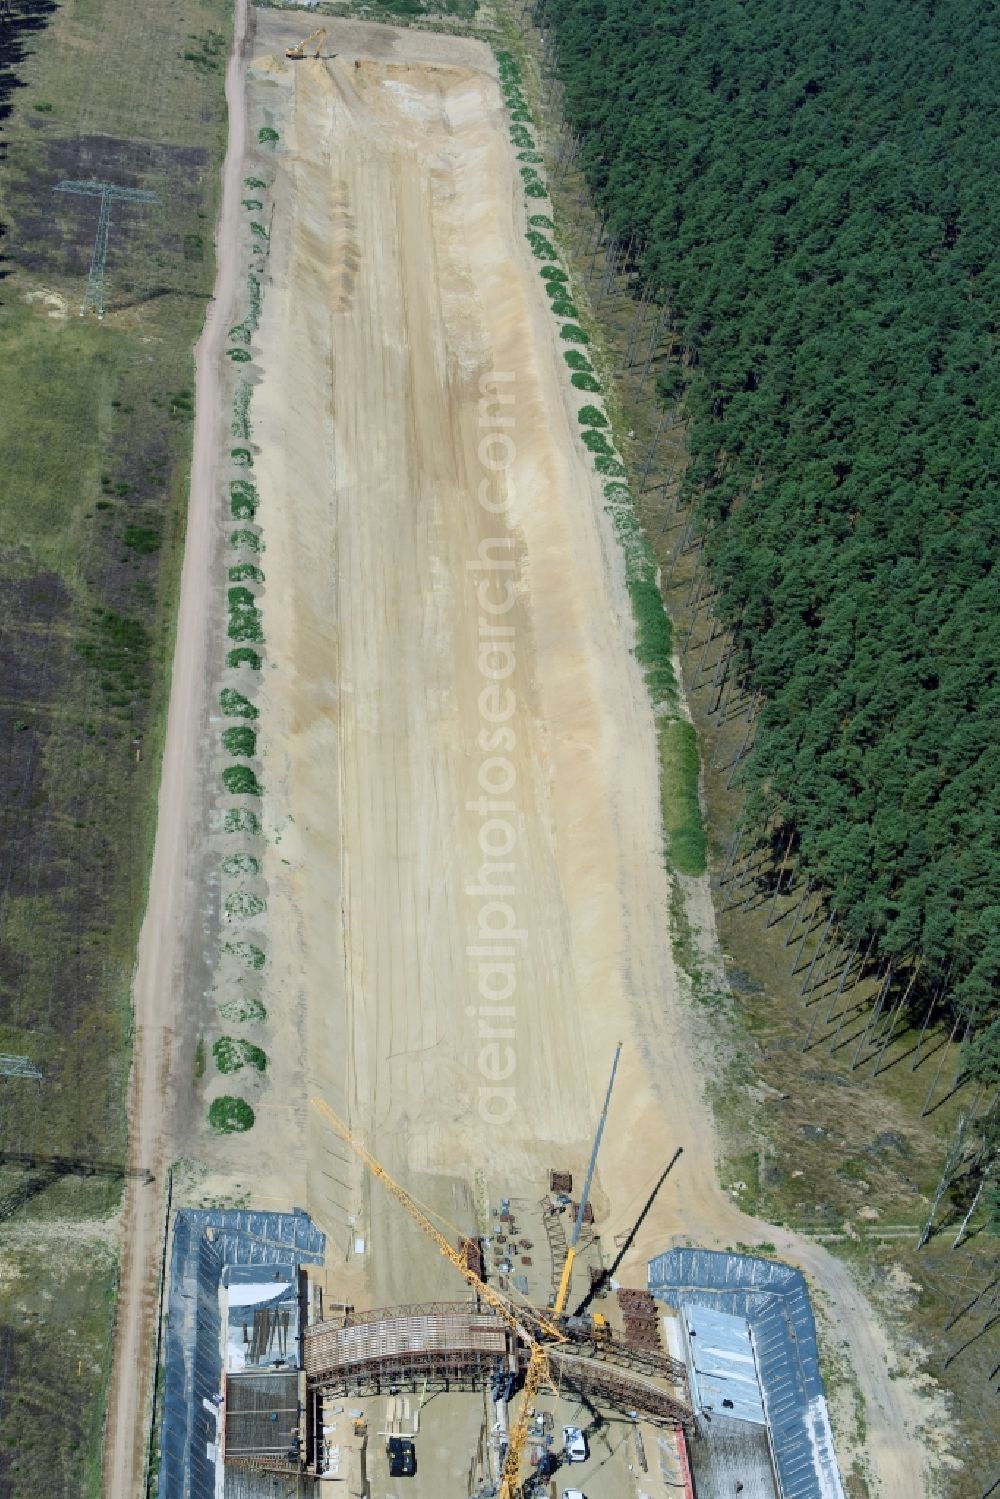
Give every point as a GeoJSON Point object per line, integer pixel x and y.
{"type": "Point", "coordinates": [95, 427]}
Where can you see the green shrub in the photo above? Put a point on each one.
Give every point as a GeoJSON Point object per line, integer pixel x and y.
{"type": "Point", "coordinates": [245, 538]}
{"type": "Point", "coordinates": [244, 655]}
{"type": "Point", "coordinates": [618, 494]}
{"type": "Point", "coordinates": [235, 705]}
{"type": "Point", "coordinates": [240, 598]}
{"type": "Point", "coordinates": [245, 572]}
{"type": "Point", "coordinates": [590, 416]}
{"type": "Point", "coordinates": [535, 189]}
{"type": "Point", "coordinates": [583, 381]}
{"type": "Point", "coordinates": [242, 457]}
{"type": "Point", "coordinates": [259, 231]}
{"type": "Point", "coordinates": [239, 780]}
{"type": "Point", "coordinates": [541, 220]}
{"type": "Point", "coordinates": [266, 136]}
{"type": "Point", "coordinates": [254, 205]}
{"type": "Point", "coordinates": [525, 141]}
{"type": "Point", "coordinates": [246, 953]}
{"type": "Point", "coordinates": [596, 441]}
{"type": "Point", "coordinates": [239, 739]}
{"type": "Point", "coordinates": [245, 1009]}
{"type": "Point", "coordinates": [241, 820]}
{"type": "Point", "coordinates": [541, 248]}
{"type": "Point", "coordinates": [610, 467]}
{"type": "Point", "coordinates": [235, 865]}
{"type": "Point", "coordinates": [529, 156]}
{"type": "Point", "coordinates": [245, 624]}
{"type": "Point", "coordinates": [142, 539]}
{"type": "Point", "coordinates": [238, 356]}
{"type": "Point", "coordinates": [243, 499]}
{"type": "Point", "coordinates": [231, 1055]}
{"type": "Point", "coordinates": [577, 361]}
{"type": "Point", "coordinates": [256, 183]}
{"type": "Point", "coordinates": [117, 646]}
{"type": "Point", "coordinates": [565, 308]}
{"type": "Point", "coordinates": [573, 334]}
{"type": "Point", "coordinates": [553, 273]}
{"type": "Point", "coordinates": [240, 333]}
{"type": "Point", "coordinates": [245, 620]}
{"type": "Point", "coordinates": [243, 905]}
{"type": "Point", "coordinates": [241, 411]}
{"type": "Point", "coordinates": [230, 1116]}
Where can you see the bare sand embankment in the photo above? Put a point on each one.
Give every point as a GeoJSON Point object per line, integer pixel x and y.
{"type": "Point", "coordinates": [408, 489]}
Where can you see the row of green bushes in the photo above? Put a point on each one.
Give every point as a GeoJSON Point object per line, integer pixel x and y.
{"type": "Point", "coordinates": [677, 742]}
{"type": "Point", "coordinates": [229, 1114]}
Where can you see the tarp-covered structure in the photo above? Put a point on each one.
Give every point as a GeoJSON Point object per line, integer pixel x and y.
{"type": "Point", "coordinates": [774, 1299]}
{"type": "Point", "coordinates": [206, 1241]}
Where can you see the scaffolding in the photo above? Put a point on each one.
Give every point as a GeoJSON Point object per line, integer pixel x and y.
{"type": "Point", "coordinates": [446, 1345]}
{"type": "Point", "coordinates": [625, 1390]}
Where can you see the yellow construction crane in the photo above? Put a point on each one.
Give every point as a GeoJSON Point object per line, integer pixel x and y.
{"type": "Point", "coordinates": [528, 1324]}
{"type": "Point", "coordinates": [299, 50]}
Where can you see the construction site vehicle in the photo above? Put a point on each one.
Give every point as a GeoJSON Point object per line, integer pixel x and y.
{"type": "Point", "coordinates": [589, 1328]}
{"type": "Point", "coordinates": [575, 1444]}
{"type": "Point", "coordinates": [402, 1458]}
{"type": "Point", "coordinates": [299, 50]}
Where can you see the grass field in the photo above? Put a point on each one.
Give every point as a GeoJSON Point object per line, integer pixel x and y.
{"type": "Point", "coordinates": [95, 424]}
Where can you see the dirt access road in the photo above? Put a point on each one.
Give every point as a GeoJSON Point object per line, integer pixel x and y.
{"type": "Point", "coordinates": [166, 929]}
{"type": "Point", "coordinates": [467, 905]}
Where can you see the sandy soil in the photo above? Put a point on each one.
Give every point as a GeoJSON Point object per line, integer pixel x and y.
{"type": "Point", "coordinates": [459, 758]}
{"type": "Point", "coordinates": [166, 928]}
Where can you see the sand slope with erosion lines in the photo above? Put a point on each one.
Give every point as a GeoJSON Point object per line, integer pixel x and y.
{"type": "Point", "coordinates": [445, 612]}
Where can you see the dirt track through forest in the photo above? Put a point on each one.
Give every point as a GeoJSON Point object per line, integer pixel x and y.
{"type": "Point", "coordinates": [446, 622]}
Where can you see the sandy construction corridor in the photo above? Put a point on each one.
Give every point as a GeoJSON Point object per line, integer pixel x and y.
{"type": "Point", "coordinates": [459, 758]}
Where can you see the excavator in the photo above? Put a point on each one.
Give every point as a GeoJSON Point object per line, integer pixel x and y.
{"type": "Point", "coordinates": [299, 50]}
{"type": "Point", "coordinates": [541, 1332]}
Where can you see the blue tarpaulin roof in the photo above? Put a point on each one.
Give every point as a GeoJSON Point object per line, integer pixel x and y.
{"type": "Point", "coordinates": [724, 1374]}
{"type": "Point", "coordinates": [774, 1300]}
{"type": "Point", "coordinates": [206, 1240]}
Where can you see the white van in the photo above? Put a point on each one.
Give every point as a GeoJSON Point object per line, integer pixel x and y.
{"type": "Point", "coordinates": [575, 1445]}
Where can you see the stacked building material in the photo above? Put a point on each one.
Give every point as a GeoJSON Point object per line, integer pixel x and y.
{"type": "Point", "coordinates": [640, 1319]}
{"type": "Point", "coordinates": [471, 1251]}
